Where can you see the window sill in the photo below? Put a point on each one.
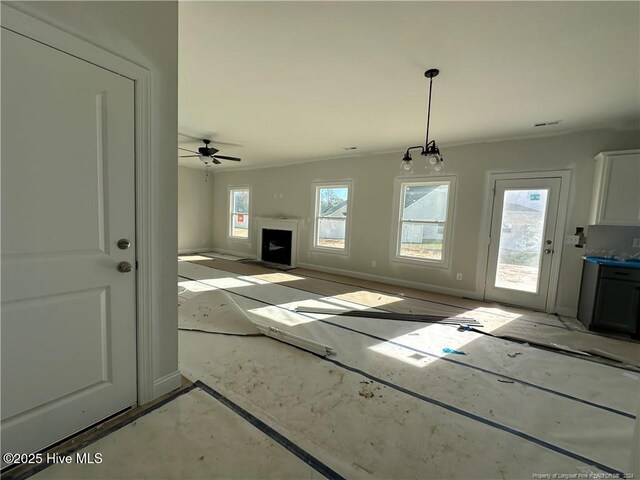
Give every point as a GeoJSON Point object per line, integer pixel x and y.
{"type": "Point", "coordinates": [239, 239]}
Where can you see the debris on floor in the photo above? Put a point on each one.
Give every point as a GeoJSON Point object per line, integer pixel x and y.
{"type": "Point", "coordinates": [455, 352]}
{"type": "Point", "coordinates": [216, 312]}
{"type": "Point", "coordinates": [407, 317]}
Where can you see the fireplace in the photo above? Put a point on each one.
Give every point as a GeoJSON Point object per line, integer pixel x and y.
{"type": "Point", "coordinates": [277, 240]}
{"type": "Point", "coordinates": [276, 246]}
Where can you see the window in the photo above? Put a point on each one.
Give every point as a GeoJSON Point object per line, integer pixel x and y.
{"type": "Point", "coordinates": [424, 220]}
{"type": "Point", "coordinates": [331, 217]}
{"type": "Point", "coordinates": [239, 213]}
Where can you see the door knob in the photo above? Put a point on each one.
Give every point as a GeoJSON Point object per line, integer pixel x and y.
{"type": "Point", "coordinates": [123, 244]}
{"type": "Point", "coordinates": [548, 251]}
{"type": "Point", "coordinates": [124, 267]}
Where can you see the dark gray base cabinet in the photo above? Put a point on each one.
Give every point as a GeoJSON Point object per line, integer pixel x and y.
{"type": "Point", "coordinates": [610, 298]}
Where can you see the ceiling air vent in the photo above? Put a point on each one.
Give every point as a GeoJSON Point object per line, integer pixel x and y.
{"type": "Point", "coordinates": [547, 124]}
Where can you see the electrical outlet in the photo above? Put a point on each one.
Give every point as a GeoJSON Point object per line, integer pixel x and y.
{"type": "Point", "coordinates": [373, 264]}
{"type": "Point", "coordinates": [459, 276]}
{"type": "Point", "coordinates": [636, 242]}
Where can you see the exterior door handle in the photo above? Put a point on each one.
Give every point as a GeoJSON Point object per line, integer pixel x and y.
{"type": "Point", "coordinates": [124, 267]}
{"type": "Point", "coordinates": [123, 244]}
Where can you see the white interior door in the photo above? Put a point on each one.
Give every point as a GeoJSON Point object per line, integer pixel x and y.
{"type": "Point", "coordinates": [68, 313]}
{"type": "Point", "coordinates": [523, 229]}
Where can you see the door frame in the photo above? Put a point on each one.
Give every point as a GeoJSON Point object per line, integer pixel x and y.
{"type": "Point", "coordinates": [558, 243]}
{"type": "Point", "coordinates": [145, 145]}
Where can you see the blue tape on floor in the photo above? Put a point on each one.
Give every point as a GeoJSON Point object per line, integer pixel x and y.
{"type": "Point", "coordinates": [273, 434]}
{"type": "Point", "coordinates": [428, 354]}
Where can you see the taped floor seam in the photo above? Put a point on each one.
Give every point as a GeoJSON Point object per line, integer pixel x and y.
{"type": "Point", "coordinates": [296, 450]}
{"type": "Point", "coordinates": [449, 360]}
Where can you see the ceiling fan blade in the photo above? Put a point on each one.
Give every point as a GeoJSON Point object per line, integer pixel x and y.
{"type": "Point", "coordinates": [215, 160]}
{"type": "Point", "coordinates": [227, 144]}
{"type": "Point", "coordinates": [223, 157]}
{"type": "Point", "coordinates": [186, 150]}
{"type": "Point", "coordinates": [188, 156]}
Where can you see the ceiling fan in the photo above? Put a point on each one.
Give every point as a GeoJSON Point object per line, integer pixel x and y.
{"type": "Point", "coordinates": [207, 154]}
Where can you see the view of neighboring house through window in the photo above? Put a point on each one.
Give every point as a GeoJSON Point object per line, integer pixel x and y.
{"type": "Point", "coordinates": [332, 202]}
{"type": "Point", "coordinates": [520, 253]}
{"type": "Point", "coordinates": [239, 213]}
{"type": "Point", "coordinates": [423, 220]}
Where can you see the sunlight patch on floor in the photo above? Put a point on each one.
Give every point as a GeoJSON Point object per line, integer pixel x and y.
{"type": "Point", "coordinates": [372, 299]}
{"type": "Point", "coordinates": [192, 258]}
{"type": "Point", "coordinates": [281, 316]}
{"type": "Point", "coordinates": [491, 318]}
{"type": "Point", "coordinates": [255, 281]}
{"type": "Point", "coordinates": [276, 277]}
{"type": "Point", "coordinates": [226, 282]}
{"type": "Point", "coordinates": [193, 286]}
{"type": "Point", "coordinates": [431, 338]}
{"type": "Point", "coordinates": [342, 306]}
{"type": "Point", "coordinates": [285, 312]}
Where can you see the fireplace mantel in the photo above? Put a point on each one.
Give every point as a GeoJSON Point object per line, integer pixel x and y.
{"type": "Point", "coordinates": [273, 223]}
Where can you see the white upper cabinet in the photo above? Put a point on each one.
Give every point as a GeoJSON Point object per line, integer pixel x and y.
{"type": "Point", "coordinates": [616, 189]}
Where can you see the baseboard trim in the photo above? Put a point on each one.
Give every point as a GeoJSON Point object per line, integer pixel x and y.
{"type": "Point", "coordinates": [232, 252]}
{"type": "Point", "coordinates": [391, 280]}
{"type": "Point", "coordinates": [166, 384]}
{"type": "Point", "coordinates": [186, 251]}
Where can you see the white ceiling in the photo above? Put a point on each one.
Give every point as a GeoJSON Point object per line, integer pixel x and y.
{"type": "Point", "coordinates": [296, 81]}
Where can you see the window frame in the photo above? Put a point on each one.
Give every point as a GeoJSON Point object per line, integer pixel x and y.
{"type": "Point", "coordinates": [400, 188]}
{"type": "Point", "coordinates": [230, 191]}
{"type": "Point", "coordinates": [316, 187]}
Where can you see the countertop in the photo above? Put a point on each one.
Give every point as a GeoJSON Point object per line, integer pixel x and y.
{"type": "Point", "coordinates": [631, 263]}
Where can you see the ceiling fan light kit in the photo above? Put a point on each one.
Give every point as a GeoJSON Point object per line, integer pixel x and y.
{"type": "Point", "coordinates": [434, 162]}
{"type": "Point", "coordinates": [207, 154]}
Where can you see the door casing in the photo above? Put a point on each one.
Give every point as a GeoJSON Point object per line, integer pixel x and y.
{"type": "Point", "coordinates": [483, 244]}
{"type": "Point", "coordinates": [146, 301]}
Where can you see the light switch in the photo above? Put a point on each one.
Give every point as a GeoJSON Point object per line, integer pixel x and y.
{"type": "Point", "coordinates": [636, 242]}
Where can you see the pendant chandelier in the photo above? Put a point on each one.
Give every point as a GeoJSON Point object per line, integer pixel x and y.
{"type": "Point", "coordinates": [431, 152]}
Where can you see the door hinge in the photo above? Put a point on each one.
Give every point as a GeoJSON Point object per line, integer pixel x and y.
{"type": "Point", "coordinates": [136, 264]}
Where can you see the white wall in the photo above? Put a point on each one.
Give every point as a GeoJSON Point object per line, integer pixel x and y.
{"type": "Point", "coordinates": [145, 33]}
{"type": "Point", "coordinates": [287, 191]}
{"type": "Point", "coordinates": [195, 210]}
